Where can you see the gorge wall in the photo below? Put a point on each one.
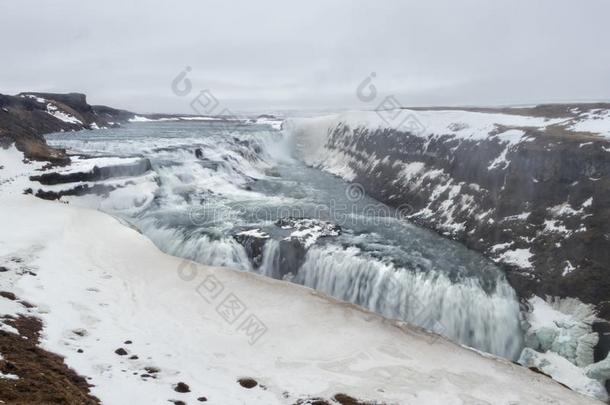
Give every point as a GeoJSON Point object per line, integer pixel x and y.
{"type": "Point", "coordinates": [527, 187]}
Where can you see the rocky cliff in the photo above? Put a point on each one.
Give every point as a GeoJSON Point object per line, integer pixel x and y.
{"type": "Point", "coordinates": [527, 187]}
{"type": "Point", "coordinates": [26, 117]}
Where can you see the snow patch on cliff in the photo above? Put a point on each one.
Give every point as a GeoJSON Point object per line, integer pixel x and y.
{"type": "Point", "coordinates": [518, 257]}
{"type": "Point", "coordinates": [595, 121]}
{"type": "Point", "coordinates": [61, 115]}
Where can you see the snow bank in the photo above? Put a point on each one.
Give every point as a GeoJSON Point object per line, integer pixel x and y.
{"type": "Point", "coordinates": [99, 286]}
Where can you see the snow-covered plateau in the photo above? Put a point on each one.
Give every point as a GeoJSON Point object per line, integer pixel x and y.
{"type": "Point", "coordinates": [137, 323]}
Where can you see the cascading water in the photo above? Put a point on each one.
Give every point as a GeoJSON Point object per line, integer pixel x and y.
{"type": "Point", "coordinates": [209, 186]}
{"type": "Point", "coordinates": [460, 309]}
{"type": "Point", "coordinates": [197, 247]}
{"type": "Point", "coordinates": [271, 259]}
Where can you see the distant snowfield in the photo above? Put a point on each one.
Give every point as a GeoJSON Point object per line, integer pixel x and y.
{"type": "Point", "coordinates": [99, 284]}
{"type": "Point", "coordinates": [459, 123]}
{"type": "Point", "coordinates": [139, 118]}
{"type": "Point", "coordinates": [596, 121]}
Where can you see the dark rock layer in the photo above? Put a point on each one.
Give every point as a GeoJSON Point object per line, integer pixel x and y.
{"type": "Point", "coordinates": [96, 174]}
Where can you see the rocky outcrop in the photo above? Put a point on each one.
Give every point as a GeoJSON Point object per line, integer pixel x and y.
{"type": "Point", "coordinates": [113, 116]}
{"type": "Point", "coordinates": [25, 118]}
{"type": "Point", "coordinates": [253, 241]}
{"type": "Point", "coordinates": [529, 188]}
{"type": "Point", "coordinates": [287, 247]}
{"type": "Point", "coordinates": [88, 181]}
{"type": "Point", "coordinates": [137, 168]}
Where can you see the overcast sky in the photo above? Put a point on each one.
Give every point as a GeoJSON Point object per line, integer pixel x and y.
{"type": "Point", "coordinates": [269, 55]}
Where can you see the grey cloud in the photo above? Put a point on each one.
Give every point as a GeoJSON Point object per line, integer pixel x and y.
{"type": "Point", "coordinates": [268, 55]}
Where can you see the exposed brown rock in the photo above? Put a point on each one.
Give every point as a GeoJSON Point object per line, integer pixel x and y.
{"type": "Point", "coordinates": [182, 387]}
{"type": "Point", "coordinates": [247, 382]}
{"type": "Point", "coordinates": [44, 378]}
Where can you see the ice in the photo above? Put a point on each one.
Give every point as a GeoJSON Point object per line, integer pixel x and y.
{"type": "Point", "coordinates": [565, 372]}
{"type": "Point", "coordinates": [561, 343]}
{"type": "Point", "coordinates": [600, 370]}
{"type": "Point", "coordinates": [563, 326]}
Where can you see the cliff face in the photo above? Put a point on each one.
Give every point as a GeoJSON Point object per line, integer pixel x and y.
{"type": "Point", "coordinates": [529, 188]}
{"type": "Point", "coordinates": [25, 118]}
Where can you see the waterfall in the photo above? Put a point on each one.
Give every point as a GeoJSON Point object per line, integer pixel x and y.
{"type": "Point", "coordinates": [224, 252]}
{"type": "Point", "coordinates": [193, 205]}
{"type": "Point", "coordinates": [270, 266]}
{"type": "Point", "coordinates": [461, 311]}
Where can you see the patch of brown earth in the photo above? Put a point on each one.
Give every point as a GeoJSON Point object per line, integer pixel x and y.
{"type": "Point", "coordinates": [43, 377]}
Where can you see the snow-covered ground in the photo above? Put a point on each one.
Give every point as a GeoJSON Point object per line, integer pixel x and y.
{"type": "Point", "coordinates": [98, 285]}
